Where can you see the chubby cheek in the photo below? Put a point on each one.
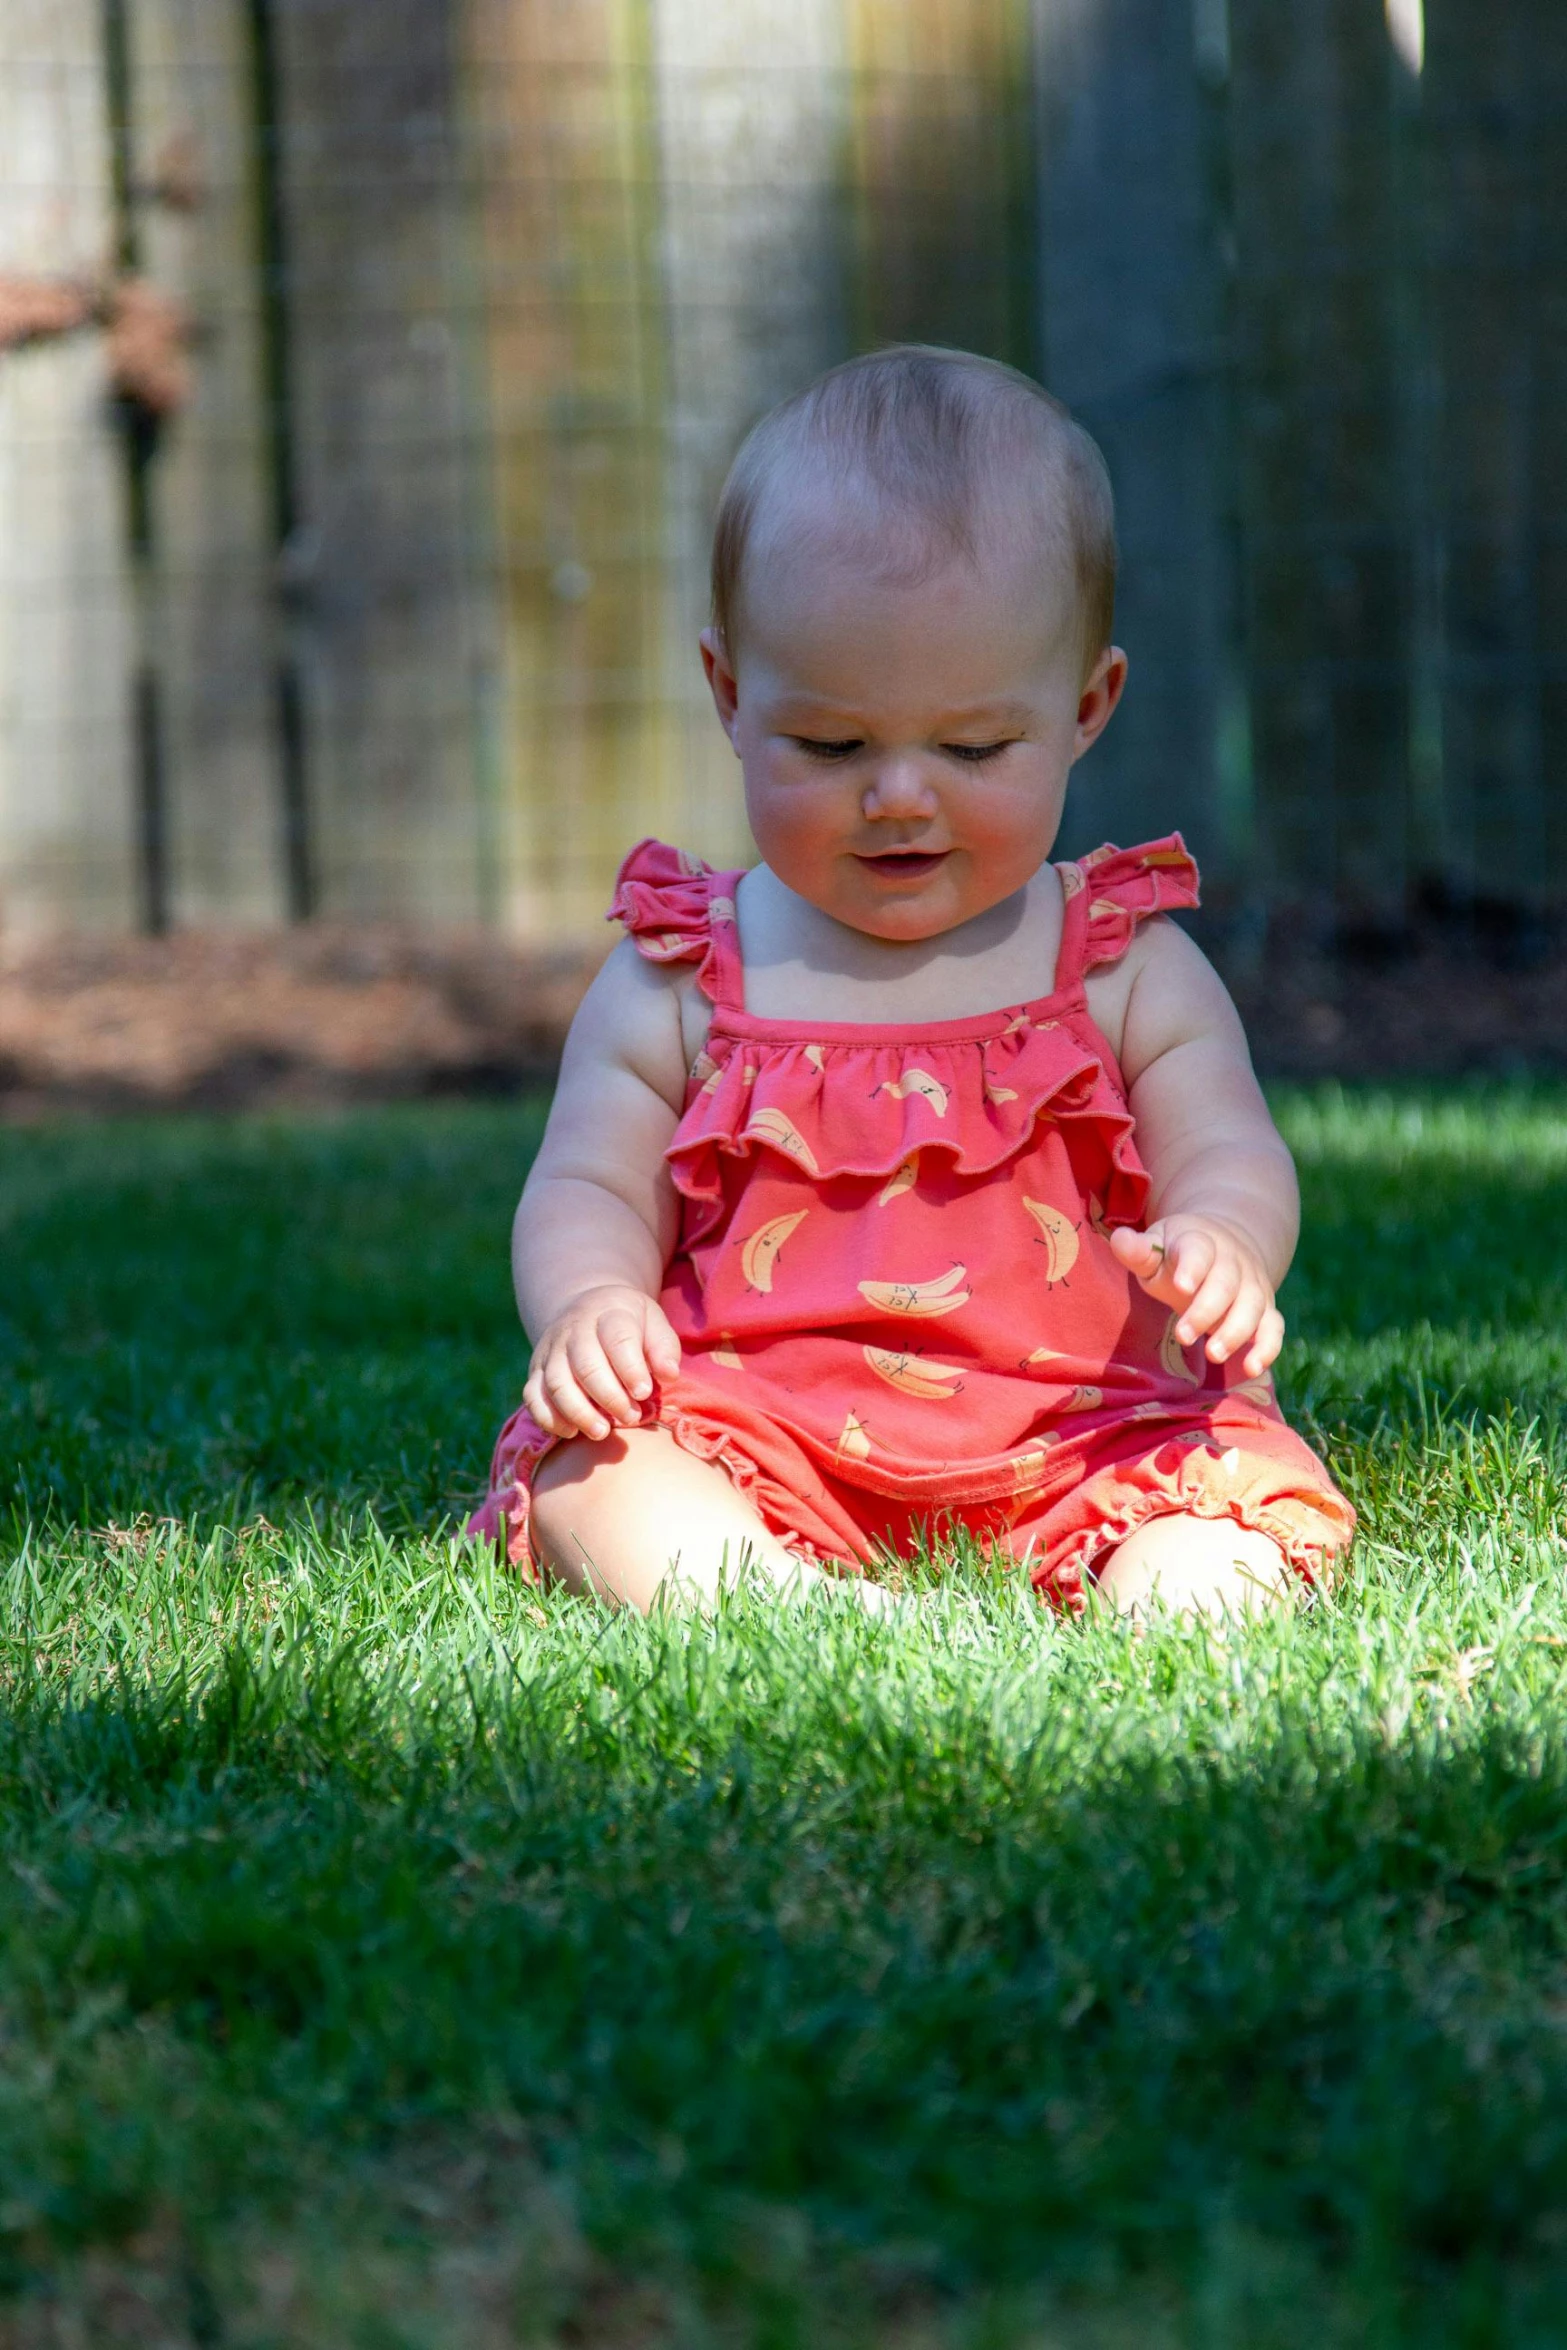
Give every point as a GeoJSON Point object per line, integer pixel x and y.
{"type": "Point", "coordinates": [1007, 845]}
{"type": "Point", "coordinates": [797, 824]}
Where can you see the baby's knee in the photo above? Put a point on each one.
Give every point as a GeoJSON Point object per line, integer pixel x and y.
{"type": "Point", "coordinates": [601, 1508]}
{"type": "Point", "coordinates": [1197, 1566]}
{"type": "Point", "coordinates": [565, 1467]}
{"type": "Point", "coordinates": [560, 1493]}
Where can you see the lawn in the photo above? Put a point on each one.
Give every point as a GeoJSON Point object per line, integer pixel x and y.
{"type": "Point", "coordinates": [390, 1956]}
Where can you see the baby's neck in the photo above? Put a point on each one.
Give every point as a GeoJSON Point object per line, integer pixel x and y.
{"type": "Point", "coordinates": [801, 964]}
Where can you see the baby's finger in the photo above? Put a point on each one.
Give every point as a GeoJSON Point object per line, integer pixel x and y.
{"type": "Point", "coordinates": [538, 1405]}
{"type": "Point", "coordinates": [553, 1422]}
{"type": "Point", "coordinates": [1266, 1346]}
{"type": "Point", "coordinates": [1188, 1261]}
{"type": "Point", "coordinates": [571, 1405]}
{"type": "Point", "coordinates": [1150, 1265]}
{"type": "Point", "coordinates": [663, 1347]}
{"type": "Point", "coordinates": [1142, 1253]}
{"type": "Point", "coordinates": [1239, 1325]}
{"type": "Point", "coordinates": [1212, 1302]}
{"type": "Point", "coordinates": [594, 1376]}
{"type": "Point", "coordinates": [620, 1335]}
{"type": "Point", "coordinates": [536, 1389]}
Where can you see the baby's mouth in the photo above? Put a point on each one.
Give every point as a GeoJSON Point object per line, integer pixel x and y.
{"type": "Point", "coordinates": [904, 864]}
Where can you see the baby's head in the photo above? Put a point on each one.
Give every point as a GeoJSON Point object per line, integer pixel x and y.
{"type": "Point", "coordinates": [913, 582]}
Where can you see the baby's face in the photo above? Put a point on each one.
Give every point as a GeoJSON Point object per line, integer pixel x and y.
{"type": "Point", "coordinates": [906, 746]}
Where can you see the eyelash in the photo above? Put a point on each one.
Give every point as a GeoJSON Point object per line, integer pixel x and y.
{"type": "Point", "coordinates": [833, 754]}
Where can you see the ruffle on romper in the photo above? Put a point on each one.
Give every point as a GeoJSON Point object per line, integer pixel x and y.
{"type": "Point", "coordinates": [664, 900]}
{"type": "Point", "coordinates": [843, 1100]}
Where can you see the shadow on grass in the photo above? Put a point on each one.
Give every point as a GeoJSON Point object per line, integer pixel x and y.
{"type": "Point", "coordinates": [1036, 1993]}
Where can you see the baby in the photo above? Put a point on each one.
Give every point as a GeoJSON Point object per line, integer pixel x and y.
{"type": "Point", "coordinates": [909, 1181]}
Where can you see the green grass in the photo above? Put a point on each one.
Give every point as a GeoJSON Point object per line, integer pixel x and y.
{"type": "Point", "coordinates": [391, 1957]}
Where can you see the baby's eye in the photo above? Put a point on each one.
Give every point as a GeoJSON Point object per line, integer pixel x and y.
{"type": "Point", "coordinates": [975, 754]}
{"type": "Point", "coordinates": [825, 751]}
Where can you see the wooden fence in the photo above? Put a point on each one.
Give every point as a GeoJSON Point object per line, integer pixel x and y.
{"type": "Point", "coordinates": [396, 614]}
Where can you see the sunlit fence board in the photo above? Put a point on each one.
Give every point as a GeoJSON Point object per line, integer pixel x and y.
{"type": "Point", "coordinates": [190, 106]}
{"type": "Point", "coordinates": [566, 141]}
{"type": "Point", "coordinates": [754, 112]}
{"type": "Point", "coordinates": [65, 793]}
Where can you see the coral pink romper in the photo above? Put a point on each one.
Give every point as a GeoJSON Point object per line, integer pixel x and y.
{"type": "Point", "coordinates": [894, 1286]}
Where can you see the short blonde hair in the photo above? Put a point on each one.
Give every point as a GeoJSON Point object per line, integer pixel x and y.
{"type": "Point", "coordinates": [930, 431]}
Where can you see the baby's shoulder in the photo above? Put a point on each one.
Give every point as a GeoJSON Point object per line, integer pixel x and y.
{"type": "Point", "coordinates": [643, 1015]}
{"type": "Point", "coordinates": [1162, 993]}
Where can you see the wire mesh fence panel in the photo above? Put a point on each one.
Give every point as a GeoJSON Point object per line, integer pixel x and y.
{"type": "Point", "coordinates": [376, 589]}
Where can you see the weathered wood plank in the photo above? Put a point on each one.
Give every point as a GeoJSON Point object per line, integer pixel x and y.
{"type": "Point", "coordinates": [1320, 425]}
{"type": "Point", "coordinates": [382, 564]}
{"type": "Point", "coordinates": [66, 822]}
{"type": "Point", "coordinates": [565, 131]}
{"type": "Point", "coordinates": [1495, 199]}
{"type": "Point", "coordinates": [1134, 292]}
{"type": "Point", "coordinates": [942, 177]}
{"type": "Point", "coordinates": [509, 445]}
{"type": "Point", "coordinates": [752, 115]}
{"type": "Point", "coordinates": [193, 168]}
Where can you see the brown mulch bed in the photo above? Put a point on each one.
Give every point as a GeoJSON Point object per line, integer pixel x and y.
{"type": "Point", "coordinates": [329, 1014]}
{"type": "Point", "coordinates": [208, 1019]}
{"type": "Point", "coordinates": [1463, 994]}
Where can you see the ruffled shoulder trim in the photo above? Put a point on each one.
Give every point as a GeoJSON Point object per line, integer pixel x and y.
{"type": "Point", "coordinates": [668, 903]}
{"type": "Point", "coordinates": [1122, 887]}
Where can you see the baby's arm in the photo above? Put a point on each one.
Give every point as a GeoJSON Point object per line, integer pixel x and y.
{"type": "Point", "coordinates": [597, 1220]}
{"type": "Point", "coordinates": [1225, 1203]}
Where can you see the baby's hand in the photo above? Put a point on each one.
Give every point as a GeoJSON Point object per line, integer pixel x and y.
{"type": "Point", "coordinates": [596, 1363]}
{"type": "Point", "coordinates": [1215, 1272]}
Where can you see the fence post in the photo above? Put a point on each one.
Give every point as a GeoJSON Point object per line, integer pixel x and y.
{"type": "Point", "coordinates": [289, 702]}
{"type": "Point", "coordinates": [141, 431]}
{"type": "Point", "coordinates": [1134, 339]}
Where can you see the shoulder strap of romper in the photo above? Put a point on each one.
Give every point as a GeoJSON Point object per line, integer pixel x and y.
{"type": "Point", "coordinates": [675, 909]}
{"type": "Point", "coordinates": [1110, 891]}
{"type": "Point", "coordinates": [723, 974]}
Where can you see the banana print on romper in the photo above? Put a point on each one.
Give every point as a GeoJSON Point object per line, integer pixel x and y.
{"type": "Point", "coordinates": [850, 1192]}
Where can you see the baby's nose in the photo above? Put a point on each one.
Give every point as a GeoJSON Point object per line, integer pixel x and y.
{"type": "Point", "coordinates": [899, 787]}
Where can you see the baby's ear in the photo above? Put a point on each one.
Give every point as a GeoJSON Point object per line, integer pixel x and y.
{"type": "Point", "coordinates": [1102, 689]}
{"type": "Point", "coordinates": [720, 679]}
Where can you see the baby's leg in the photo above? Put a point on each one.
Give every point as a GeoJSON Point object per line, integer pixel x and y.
{"type": "Point", "coordinates": [617, 1518]}
{"type": "Point", "coordinates": [1196, 1566]}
